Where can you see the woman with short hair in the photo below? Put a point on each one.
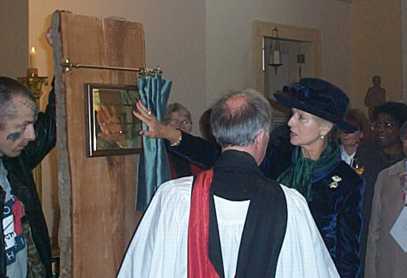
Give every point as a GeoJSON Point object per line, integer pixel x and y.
{"type": "Point", "coordinates": [331, 187]}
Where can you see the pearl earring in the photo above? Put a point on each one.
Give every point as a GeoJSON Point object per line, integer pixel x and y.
{"type": "Point", "coordinates": [322, 137]}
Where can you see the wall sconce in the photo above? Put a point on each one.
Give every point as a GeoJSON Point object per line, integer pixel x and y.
{"type": "Point", "coordinates": [32, 80]}
{"type": "Point", "coordinates": [275, 51]}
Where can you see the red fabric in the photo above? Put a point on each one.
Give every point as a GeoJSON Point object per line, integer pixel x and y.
{"type": "Point", "coordinates": [195, 169]}
{"type": "Point", "coordinates": [18, 213]}
{"type": "Point", "coordinates": [199, 264]}
{"type": "Point", "coordinates": [173, 172]}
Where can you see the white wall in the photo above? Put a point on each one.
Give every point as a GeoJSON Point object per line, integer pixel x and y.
{"type": "Point", "coordinates": [229, 35]}
{"type": "Point", "coordinates": [174, 35]}
{"type": "Point", "coordinates": [204, 47]}
{"type": "Point", "coordinates": [13, 37]}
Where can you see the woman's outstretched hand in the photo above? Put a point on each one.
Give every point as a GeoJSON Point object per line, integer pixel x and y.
{"type": "Point", "coordinates": [156, 129]}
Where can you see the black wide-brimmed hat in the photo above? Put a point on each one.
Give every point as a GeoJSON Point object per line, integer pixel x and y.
{"type": "Point", "coordinates": [317, 97]}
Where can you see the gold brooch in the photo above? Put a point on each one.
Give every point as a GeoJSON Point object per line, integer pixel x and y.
{"type": "Point", "coordinates": [335, 180]}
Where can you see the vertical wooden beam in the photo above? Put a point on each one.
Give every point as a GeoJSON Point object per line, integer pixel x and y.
{"type": "Point", "coordinates": [102, 189]}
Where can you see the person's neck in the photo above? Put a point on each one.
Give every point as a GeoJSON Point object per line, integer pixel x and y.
{"type": "Point", "coordinates": [350, 149]}
{"type": "Point", "coordinates": [315, 150]}
{"type": "Point", "coordinates": [246, 149]}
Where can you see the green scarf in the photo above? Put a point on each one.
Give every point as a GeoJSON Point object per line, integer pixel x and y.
{"type": "Point", "coordinates": [303, 171]}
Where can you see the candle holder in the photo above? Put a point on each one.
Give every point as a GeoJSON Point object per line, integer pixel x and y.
{"type": "Point", "coordinates": [35, 83]}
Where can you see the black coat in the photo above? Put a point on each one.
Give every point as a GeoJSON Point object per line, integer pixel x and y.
{"type": "Point", "coordinates": [22, 184]}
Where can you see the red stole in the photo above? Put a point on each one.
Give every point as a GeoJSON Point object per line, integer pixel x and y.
{"type": "Point", "coordinates": [199, 264]}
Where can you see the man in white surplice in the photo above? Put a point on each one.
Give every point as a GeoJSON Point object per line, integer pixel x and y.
{"type": "Point", "coordinates": [229, 221]}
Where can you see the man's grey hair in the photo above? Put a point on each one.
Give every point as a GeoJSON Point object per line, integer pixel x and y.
{"type": "Point", "coordinates": [9, 89]}
{"type": "Point", "coordinates": [239, 125]}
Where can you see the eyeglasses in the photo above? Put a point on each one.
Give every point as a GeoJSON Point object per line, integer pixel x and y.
{"type": "Point", "coordinates": [177, 122]}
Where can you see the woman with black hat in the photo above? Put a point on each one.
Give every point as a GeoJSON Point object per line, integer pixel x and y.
{"type": "Point", "coordinates": [332, 188]}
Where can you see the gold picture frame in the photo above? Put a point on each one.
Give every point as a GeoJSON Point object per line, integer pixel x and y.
{"type": "Point", "coordinates": [111, 127]}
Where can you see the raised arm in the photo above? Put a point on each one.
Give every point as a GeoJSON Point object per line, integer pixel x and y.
{"type": "Point", "coordinates": [45, 131]}
{"type": "Point", "coordinates": [192, 148]}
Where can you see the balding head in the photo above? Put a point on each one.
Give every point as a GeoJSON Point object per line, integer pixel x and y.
{"type": "Point", "coordinates": [237, 118]}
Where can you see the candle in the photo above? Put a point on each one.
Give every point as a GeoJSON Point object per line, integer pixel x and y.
{"type": "Point", "coordinates": [32, 57]}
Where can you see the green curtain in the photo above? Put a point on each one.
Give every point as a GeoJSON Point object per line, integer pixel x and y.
{"type": "Point", "coordinates": [153, 167]}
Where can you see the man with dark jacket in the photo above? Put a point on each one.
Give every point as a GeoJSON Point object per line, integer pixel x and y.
{"type": "Point", "coordinates": [26, 136]}
{"type": "Point", "coordinates": [229, 221]}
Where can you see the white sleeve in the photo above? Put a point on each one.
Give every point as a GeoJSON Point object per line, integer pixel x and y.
{"type": "Point", "coordinates": [303, 253]}
{"type": "Point", "coordinates": [159, 246]}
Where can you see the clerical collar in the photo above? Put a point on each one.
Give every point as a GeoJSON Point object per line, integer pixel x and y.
{"type": "Point", "coordinates": [234, 173]}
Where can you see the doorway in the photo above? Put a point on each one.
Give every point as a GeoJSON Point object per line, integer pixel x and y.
{"type": "Point", "coordinates": [300, 56]}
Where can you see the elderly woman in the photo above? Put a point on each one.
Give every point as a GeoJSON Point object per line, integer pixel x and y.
{"type": "Point", "coordinates": [333, 190]}
{"type": "Point", "coordinates": [179, 117]}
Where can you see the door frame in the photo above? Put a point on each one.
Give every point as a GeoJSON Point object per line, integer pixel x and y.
{"type": "Point", "coordinates": [264, 29]}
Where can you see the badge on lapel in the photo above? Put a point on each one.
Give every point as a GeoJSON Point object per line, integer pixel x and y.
{"type": "Point", "coordinates": [335, 182]}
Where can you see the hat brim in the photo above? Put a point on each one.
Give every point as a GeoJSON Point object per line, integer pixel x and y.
{"type": "Point", "coordinates": [292, 102]}
{"type": "Point", "coordinates": [346, 127]}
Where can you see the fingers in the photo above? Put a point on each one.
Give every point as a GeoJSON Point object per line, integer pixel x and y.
{"type": "Point", "coordinates": [155, 128]}
{"type": "Point", "coordinates": [142, 109]}
{"type": "Point", "coordinates": [151, 122]}
{"type": "Point", "coordinates": [48, 35]}
{"type": "Point", "coordinates": [147, 133]}
{"type": "Point", "coordinates": [100, 120]}
{"type": "Point", "coordinates": [103, 114]}
{"type": "Point", "coordinates": [108, 112]}
{"type": "Point", "coordinates": [112, 113]}
{"type": "Point", "coordinates": [144, 114]}
{"type": "Point", "coordinates": [142, 117]}
{"type": "Point", "coordinates": [108, 121]}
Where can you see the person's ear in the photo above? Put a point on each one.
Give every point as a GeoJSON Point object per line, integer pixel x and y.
{"type": "Point", "coordinates": [325, 129]}
{"type": "Point", "coordinates": [259, 136]}
{"type": "Point", "coordinates": [262, 137]}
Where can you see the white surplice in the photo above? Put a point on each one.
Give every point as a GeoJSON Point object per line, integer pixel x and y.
{"type": "Point", "coordinates": [159, 246]}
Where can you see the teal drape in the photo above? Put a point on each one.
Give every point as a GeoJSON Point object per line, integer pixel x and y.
{"type": "Point", "coordinates": [153, 167]}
